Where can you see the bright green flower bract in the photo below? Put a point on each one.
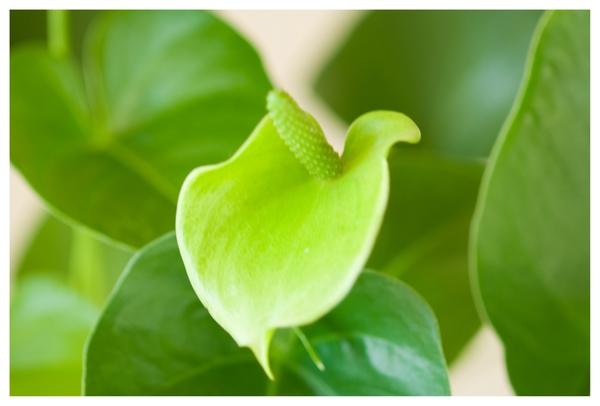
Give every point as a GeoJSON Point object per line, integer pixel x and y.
{"type": "Point", "coordinates": [270, 238]}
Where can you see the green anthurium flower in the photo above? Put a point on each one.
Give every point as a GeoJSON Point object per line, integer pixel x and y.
{"type": "Point", "coordinates": [277, 235]}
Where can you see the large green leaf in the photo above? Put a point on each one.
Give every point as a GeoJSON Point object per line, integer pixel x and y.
{"type": "Point", "coordinates": [169, 90]}
{"type": "Point", "coordinates": [455, 72]}
{"type": "Point", "coordinates": [156, 338]}
{"type": "Point", "coordinates": [531, 241]}
{"type": "Point", "coordinates": [273, 238]}
{"type": "Point", "coordinates": [424, 237]}
{"type": "Point", "coordinates": [48, 327]}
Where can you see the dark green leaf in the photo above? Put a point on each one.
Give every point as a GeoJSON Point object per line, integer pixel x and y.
{"type": "Point", "coordinates": [155, 337]}
{"type": "Point", "coordinates": [169, 90]}
{"type": "Point", "coordinates": [531, 246]}
{"type": "Point", "coordinates": [381, 340]}
{"type": "Point", "coordinates": [455, 73]}
{"type": "Point", "coordinates": [424, 237]}
{"type": "Point", "coordinates": [48, 327]}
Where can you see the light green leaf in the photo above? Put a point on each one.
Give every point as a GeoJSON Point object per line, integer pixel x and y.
{"type": "Point", "coordinates": [531, 240]}
{"type": "Point", "coordinates": [169, 90]}
{"type": "Point", "coordinates": [268, 245]}
{"type": "Point", "coordinates": [156, 338]}
{"type": "Point", "coordinates": [455, 72]}
{"type": "Point", "coordinates": [48, 327]}
{"type": "Point", "coordinates": [424, 237]}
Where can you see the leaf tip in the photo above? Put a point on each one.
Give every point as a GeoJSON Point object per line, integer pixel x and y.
{"type": "Point", "coordinates": [379, 130]}
{"type": "Point", "coordinates": [261, 352]}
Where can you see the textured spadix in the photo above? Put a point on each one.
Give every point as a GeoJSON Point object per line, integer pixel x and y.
{"type": "Point", "coordinates": [269, 243]}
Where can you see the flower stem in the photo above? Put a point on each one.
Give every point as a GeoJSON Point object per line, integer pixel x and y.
{"type": "Point", "coordinates": [58, 33]}
{"type": "Point", "coordinates": [311, 352]}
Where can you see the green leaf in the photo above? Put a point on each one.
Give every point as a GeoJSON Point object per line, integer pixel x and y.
{"type": "Point", "coordinates": [169, 90]}
{"type": "Point", "coordinates": [270, 241]}
{"type": "Point", "coordinates": [455, 72]}
{"type": "Point", "coordinates": [156, 338]}
{"type": "Point", "coordinates": [48, 327]}
{"type": "Point", "coordinates": [531, 241]}
{"type": "Point", "coordinates": [89, 265]}
{"type": "Point", "coordinates": [424, 237]}
{"type": "Point", "coordinates": [381, 340]}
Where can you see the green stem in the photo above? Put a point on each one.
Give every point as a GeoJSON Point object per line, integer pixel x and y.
{"type": "Point", "coordinates": [58, 33]}
{"type": "Point", "coordinates": [311, 352]}
{"type": "Point", "coordinates": [85, 269]}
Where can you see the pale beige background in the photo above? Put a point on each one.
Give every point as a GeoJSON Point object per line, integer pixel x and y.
{"type": "Point", "coordinates": [294, 45]}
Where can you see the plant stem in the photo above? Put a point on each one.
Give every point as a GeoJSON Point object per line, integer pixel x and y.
{"type": "Point", "coordinates": [85, 267]}
{"type": "Point", "coordinates": [311, 352]}
{"type": "Point", "coordinates": [58, 33]}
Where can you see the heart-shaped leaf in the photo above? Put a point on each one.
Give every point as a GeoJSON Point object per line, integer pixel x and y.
{"type": "Point", "coordinates": [531, 241]}
{"type": "Point", "coordinates": [455, 72]}
{"type": "Point", "coordinates": [276, 236]}
{"type": "Point", "coordinates": [424, 236]}
{"type": "Point", "coordinates": [156, 338]}
{"type": "Point", "coordinates": [168, 89]}
{"type": "Point", "coordinates": [48, 327]}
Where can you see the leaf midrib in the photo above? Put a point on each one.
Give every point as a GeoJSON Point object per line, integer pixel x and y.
{"type": "Point", "coordinates": [126, 156]}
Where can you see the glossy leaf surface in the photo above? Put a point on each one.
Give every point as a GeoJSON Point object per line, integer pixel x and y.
{"type": "Point", "coordinates": [156, 338]}
{"type": "Point", "coordinates": [266, 245]}
{"type": "Point", "coordinates": [424, 236]}
{"type": "Point", "coordinates": [531, 246]}
{"type": "Point", "coordinates": [455, 72]}
{"type": "Point", "coordinates": [49, 324]}
{"type": "Point", "coordinates": [169, 90]}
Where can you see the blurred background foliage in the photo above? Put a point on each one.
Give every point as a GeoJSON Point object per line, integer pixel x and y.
{"type": "Point", "coordinates": [31, 26]}
{"type": "Point", "coordinates": [456, 73]}
{"type": "Point", "coordinates": [65, 274]}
